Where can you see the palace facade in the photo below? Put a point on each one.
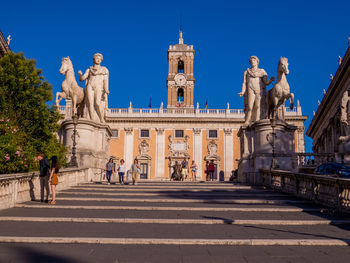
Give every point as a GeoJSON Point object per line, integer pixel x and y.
{"type": "Point", "coordinates": [159, 137]}
{"type": "Point", "coordinates": [329, 127]}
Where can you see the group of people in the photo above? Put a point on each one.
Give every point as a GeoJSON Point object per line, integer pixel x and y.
{"type": "Point", "coordinates": [48, 176]}
{"type": "Point", "coordinates": [121, 169]}
{"type": "Point", "coordinates": [181, 173]}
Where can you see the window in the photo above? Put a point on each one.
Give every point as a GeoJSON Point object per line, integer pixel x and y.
{"type": "Point", "coordinates": [180, 95]}
{"type": "Point", "coordinates": [114, 133]}
{"type": "Point", "coordinates": [179, 133]}
{"type": "Point", "coordinates": [144, 133]}
{"type": "Point", "coordinates": [180, 67]}
{"type": "Point", "coordinates": [213, 133]}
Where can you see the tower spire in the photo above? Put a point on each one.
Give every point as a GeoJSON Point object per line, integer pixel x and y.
{"type": "Point", "coordinates": [181, 40]}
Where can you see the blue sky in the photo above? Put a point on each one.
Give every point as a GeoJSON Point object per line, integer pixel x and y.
{"type": "Point", "coordinates": [134, 37]}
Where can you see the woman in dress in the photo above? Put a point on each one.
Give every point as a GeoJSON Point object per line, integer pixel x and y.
{"type": "Point", "coordinates": [53, 179]}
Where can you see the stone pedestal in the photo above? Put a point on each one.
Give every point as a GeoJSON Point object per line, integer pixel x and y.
{"type": "Point", "coordinates": [256, 149]}
{"type": "Point", "coordinates": [92, 142]}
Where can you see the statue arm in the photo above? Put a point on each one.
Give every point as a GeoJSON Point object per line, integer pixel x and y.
{"type": "Point", "coordinates": [105, 82]}
{"type": "Point", "coordinates": [244, 85]}
{"type": "Point", "coordinates": [266, 81]}
{"type": "Point", "coordinates": [83, 77]}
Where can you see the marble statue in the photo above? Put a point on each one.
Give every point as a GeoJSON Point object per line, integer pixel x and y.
{"type": "Point", "coordinates": [280, 91]}
{"type": "Point", "coordinates": [161, 105]}
{"type": "Point", "coordinates": [254, 91]}
{"type": "Point", "coordinates": [70, 88]}
{"type": "Point", "coordinates": [9, 39]}
{"type": "Point", "coordinates": [331, 76]}
{"type": "Point", "coordinates": [339, 60]}
{"type": "Point", "coordinates": [228, 105]}
{"type": "Point", "coordinates": [344, 113]}
{"type": "Point", "coordinates": [96, 88]}
{"type": "Point", "coordinates": [197, 105]}
{"type": "Point", "coordinates": [324, 92]}
{"type": "Point", "coordinates": [318, 103]}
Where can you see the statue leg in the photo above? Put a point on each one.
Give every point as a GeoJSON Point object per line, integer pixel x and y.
{"type": "Point", "coordinates": [257, 108]}
{"type": "Point", "coordinates": [90, 101]}
{"type": "Point", "coordinates": [250, 104]}
{"type": "Point", "coordinates": [97, 96]}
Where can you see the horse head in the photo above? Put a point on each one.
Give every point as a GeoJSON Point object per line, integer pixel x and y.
{"type": "Point", "coordinates": [283, 65]}
{"type": "Point", "coordinates": [65, 65]}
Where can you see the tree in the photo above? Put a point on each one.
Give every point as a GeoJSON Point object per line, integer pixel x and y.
{"type": "Point", "coordinates": [27, 123]}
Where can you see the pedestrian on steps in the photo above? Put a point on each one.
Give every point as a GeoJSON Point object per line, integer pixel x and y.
{"type": "Point", "coordinates": [135, 169]}
{"type": "Point", "coordinates": [121, 171]}
{"type": "Point", "coordinates": [53, 179]}
{"type": "Point", "coordinates": [110, 168]}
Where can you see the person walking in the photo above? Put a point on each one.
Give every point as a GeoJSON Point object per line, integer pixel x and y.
{"type": "Point", "coordinates": [44, 165]}
{"type": "Point", "coordinates": [53, 179]}
{"type": "Point", "coordinates": [109, 170]}
{"type": "Point", "coordinates": [135, 169]}
{"type": "Point", "coordinates": [211, 169]}
{"type": "Point", "coordinates": [184, 169]}
{"type": "Point", "coordinates": [194, 168]}
{"type": "Point", "coordinates": [121, 171]}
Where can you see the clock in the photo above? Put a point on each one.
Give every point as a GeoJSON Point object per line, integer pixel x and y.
{"type": "Point", "coordinates": [180, 79]}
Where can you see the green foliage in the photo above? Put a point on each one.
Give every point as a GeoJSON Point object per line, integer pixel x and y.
{"type": "Point", "coordinates": [27, 123]}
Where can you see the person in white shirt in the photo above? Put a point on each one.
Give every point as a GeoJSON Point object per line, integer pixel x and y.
{"type": "Point", "coordinates": [121, 171]}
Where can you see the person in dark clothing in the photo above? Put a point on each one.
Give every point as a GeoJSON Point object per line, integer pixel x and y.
{"type": "Point", "coordinates": [44, 177]}
{"type": "Point", "coordinates": [211, 169]}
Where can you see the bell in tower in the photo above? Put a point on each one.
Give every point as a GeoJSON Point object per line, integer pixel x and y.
{"type": "Point", "coordinates": [180, 81]}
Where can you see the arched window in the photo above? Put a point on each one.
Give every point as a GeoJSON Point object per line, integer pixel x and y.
{"type": "Point", "coordinates": [180, 67]}
{"type": "Point", "coordinates": [180, 95]}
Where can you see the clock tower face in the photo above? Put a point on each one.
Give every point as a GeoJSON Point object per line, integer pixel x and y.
{"type": "Point", "coordinates": [180, 79]}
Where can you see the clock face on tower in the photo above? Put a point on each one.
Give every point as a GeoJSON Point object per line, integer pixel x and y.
{"type": "Point", "coordinates": [180, 79]}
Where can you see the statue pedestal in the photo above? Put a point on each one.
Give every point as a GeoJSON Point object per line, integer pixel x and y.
{"type": "Point", "coordinates": [92, 142]}
{"type": "Point", "coordinates": [257, 142]}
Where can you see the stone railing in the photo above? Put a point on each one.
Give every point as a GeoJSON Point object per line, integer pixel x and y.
{"type": "Point", "coordinates": [313, 159]}
{"type": "Point", "coordinates": [17, 188]}
{"type": "Point", "coordinates": [179, 112]}
{"type": "Point", "coordinates": [329, 191]}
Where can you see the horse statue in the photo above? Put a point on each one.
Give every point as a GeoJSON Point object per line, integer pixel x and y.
{"type": "Point", "coordinates": [70, 88]}
{"type": "Point", "coordinates": [280, 91]}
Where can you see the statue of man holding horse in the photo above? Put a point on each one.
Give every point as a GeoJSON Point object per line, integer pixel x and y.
{"type": "Point", "coordinates": [254, 91]}
{"type": "Point", "coordinates": [96, 88]}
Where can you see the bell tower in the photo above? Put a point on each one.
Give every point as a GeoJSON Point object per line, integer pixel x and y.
{"type": "Point", "coordinates": [180, 81]}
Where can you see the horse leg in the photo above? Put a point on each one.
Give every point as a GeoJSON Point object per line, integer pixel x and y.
{"type": "Point", "coordinates": [291, 100]}
{"type": "Point", "coordinates": [58, 94]}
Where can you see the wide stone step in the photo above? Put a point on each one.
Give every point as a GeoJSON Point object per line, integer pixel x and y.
{"type": "Point", "coordinates": [183, 231]}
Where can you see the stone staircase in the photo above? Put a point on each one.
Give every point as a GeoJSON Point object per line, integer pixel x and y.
{"type": "Point", "coordinates": [173, 222]}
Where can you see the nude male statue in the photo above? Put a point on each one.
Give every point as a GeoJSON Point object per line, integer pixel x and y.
{"type": "Point", "coordinates": [96, 88]}
{"type": "Point", "coordinates": [254, 91]}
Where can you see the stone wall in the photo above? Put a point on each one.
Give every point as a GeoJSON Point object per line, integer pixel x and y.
{"type": "Point", "coordinates": [325, 190]}
{"type": "Point", "coordinates": [17, 188]}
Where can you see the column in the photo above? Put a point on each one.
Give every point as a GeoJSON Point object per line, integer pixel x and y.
{"type": "Point", "coordinates": [228, 153]}
{"type": "Point", "coordinates": [197, 151]}
{"type": "Point", "coordinates": [160, 151]}
{"type": "Point", "coordinates": [128, 147]}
